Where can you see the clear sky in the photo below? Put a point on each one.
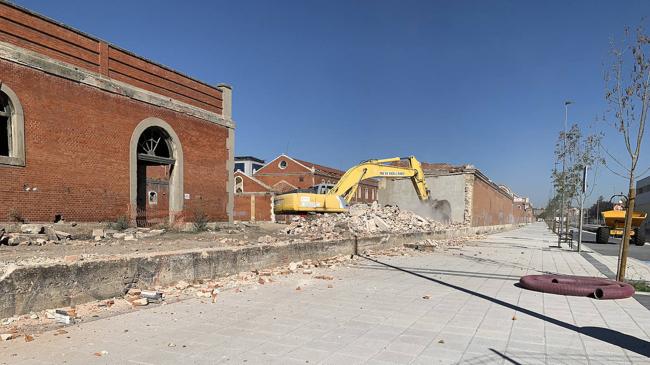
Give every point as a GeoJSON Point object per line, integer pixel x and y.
{"type": "Point", "coordinates": [337, 82]}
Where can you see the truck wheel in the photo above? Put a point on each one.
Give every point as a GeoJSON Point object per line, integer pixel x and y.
{"type": "Point", "coordinates": [602, 235]}
{"type": "Point", "coordinates": [639, 237]}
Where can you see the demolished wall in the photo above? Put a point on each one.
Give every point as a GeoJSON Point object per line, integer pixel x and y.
{"type": "Point", "coordinates": [447, 191]}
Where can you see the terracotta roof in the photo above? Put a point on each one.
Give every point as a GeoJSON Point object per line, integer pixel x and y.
{"type": "Point", "coordinates": [321, 168]}
{"type": "Point", "coordinates": [332, 171]}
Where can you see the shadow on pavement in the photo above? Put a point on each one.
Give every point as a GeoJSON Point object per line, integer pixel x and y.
{"type": "Point", "coordinates": [519, 357]}
{"type": "Point", "coordinates": [446, 272]}
{"type": "Point", "coordinates": [610, 336]}
{"type": "Point", "coordinates": [484, 260]}
{"type": "Point", "coordinates": [506, 357]}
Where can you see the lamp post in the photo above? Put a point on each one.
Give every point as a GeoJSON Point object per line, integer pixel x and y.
{"type": "Point", "coordinates": [563, 184]}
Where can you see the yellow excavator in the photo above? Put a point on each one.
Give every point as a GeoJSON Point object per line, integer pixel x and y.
{"type": "Point", "coordinates": [336, 200]}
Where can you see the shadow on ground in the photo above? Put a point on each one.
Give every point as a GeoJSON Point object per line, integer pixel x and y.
{"type": "Point", "coordinates": [610, 336]}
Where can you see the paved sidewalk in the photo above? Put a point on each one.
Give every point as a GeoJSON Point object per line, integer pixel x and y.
{"type": "Point", "coordinates": [636, 269]}
{"type": "Point", "coordinates": [459, 306]}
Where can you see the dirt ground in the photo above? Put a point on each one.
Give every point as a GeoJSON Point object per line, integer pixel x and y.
{"type": "Point", "coordinates": [227, 236]}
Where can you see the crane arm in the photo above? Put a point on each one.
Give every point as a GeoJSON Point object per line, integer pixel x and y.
{"type": "Point", "coordinates": [348, 184]}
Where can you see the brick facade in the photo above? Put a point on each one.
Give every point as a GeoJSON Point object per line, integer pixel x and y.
{"type": "Point", "coordinates": [82, 100]}
{"type": "Point", "coordinates": [253, 199]}
{"type": "Point", "coordinates": [493, 204]}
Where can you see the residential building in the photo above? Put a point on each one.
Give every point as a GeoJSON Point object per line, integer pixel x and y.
{"type": "Point", "coordinates": [92, 132]}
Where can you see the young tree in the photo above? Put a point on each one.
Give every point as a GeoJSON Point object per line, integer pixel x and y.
{"type": "Point", "coordinates": [577, 151]}
{"type": "Point", "coordinates": [628, 96]}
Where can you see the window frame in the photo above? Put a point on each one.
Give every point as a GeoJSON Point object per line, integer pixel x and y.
{"type": "Point", "coordinates": [17, 136]}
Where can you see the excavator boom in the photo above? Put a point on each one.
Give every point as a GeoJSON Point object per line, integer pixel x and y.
{"type": "Point", "coordinates": [338, 198]}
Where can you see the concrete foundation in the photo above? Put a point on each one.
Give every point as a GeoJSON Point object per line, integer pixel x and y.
{"type": "Point", "coordinates": [34, 288]}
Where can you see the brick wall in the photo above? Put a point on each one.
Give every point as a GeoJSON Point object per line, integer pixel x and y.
{"type": "Point", "coordinates": [36, 33]}
{"type": "Point", "coordinates": [262, 206]}
{"type": "Point", "coordinates": [77, 151]}
{"type": "Point", "coordinates": [78, 128]}
{"type": "Point", "coordinates": [490, 206]}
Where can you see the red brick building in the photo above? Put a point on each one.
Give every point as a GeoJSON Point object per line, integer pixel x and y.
{"type": "Point", "coordinates": [253, 199]}
{"type": "Point", "coordinates": [285, 173]}
{"type": "Point", "coordinates": [91, 132]}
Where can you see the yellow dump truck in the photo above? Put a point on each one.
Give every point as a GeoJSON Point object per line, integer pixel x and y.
{"type": "Point", "coordinates": [336, 200]}
{"type": "Point", "coordinates": [615, 224]}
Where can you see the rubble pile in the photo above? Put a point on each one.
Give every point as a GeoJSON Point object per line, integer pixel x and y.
{"type": "Point", "coordinates": [362, 220]}
{"type": "Point", "coordinates": [424, 245]}
{"type": "Point", "coordinates": [129, 234]}
{"type": "Point", "coordinates": [33, 234]}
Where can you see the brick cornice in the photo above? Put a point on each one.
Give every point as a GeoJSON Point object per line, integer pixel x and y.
{"type": "Point", "coordinates": [24, 57]}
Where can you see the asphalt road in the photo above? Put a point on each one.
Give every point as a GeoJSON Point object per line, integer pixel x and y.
{"type": "Point", "coordinates": [611, 249]}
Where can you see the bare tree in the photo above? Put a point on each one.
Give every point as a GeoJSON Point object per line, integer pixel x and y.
{"type": "Point", "coordinates": [627, 94]}
{"type": "Point", "coordinates": [578, 151]}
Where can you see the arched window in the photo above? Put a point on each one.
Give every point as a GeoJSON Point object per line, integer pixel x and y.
{"type": "Point", "coordinates": [154, 141]}
{"type": "Point", "coordinates": [239, 184]}
{"type": "Point", "coordinates": [12, 143]}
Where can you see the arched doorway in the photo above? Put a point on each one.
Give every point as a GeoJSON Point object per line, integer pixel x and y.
{"type": "Point", "coordinates": [156, 173]}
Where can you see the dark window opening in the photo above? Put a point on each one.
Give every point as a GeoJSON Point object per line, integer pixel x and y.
{"type": "Point", "coordinates": [4, 136]}
{"type": "Point", "coordinates": [5, 125]}
{"type": "Point", "coordinates": [239, 166]}
{"type": "Point", "coordinates": [154, 142]}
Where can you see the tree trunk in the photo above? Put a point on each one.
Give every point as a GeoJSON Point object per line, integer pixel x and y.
{"type": "Point", "coordinates": [625, 242]}
{"type": "Point", "coordinates": [568, 222]}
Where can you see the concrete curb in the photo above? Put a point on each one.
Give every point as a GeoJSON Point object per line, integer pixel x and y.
{"type": "Point", "coordinates": [38, 287]}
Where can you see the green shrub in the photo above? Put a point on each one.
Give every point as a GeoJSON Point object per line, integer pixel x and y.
{"type": "Point", "coordinates": [16, 216]}
{"type": "Point", "coordinates": [120, 224]}
{"type": "Point", "coordinates": [200, 221]}
{"type": "Point", "coordinates": [640, 285]}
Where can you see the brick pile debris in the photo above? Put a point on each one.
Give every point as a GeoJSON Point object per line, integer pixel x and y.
{"type": "Point", "coordinates": [40, 235]}
{"type": "Point", "coordinates": [364, 220]}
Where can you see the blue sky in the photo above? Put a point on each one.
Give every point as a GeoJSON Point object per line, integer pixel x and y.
{"type": "Point", "coordinates": [337, 82]}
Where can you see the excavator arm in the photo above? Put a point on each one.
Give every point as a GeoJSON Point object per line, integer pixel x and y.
{"type": "Point", "coordinates": [349, 182]}
{"type": "Point", "coordinates": [338, 198]}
